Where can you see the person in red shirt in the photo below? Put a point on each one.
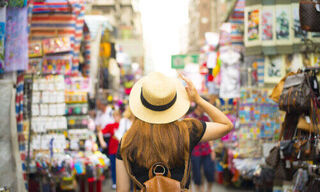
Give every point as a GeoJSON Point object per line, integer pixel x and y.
{"type": "Point", "coordinates": [112, 145]}
{"type": "Point", "coordinates": [202, 156]}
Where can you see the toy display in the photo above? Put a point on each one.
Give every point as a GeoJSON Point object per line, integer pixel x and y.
{"type": "Point", "coordinates": [35, 49]}
{"type": "Point", "coordinates": [56, 45]}
{"type": "Point", "coordinates": [57, 64]}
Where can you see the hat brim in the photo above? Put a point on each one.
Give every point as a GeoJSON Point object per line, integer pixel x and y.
{"type": "Point", "coordinates": [175, 112]}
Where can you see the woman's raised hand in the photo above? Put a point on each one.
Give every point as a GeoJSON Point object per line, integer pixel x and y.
{"type": "Point", "coordinates": [191, 90]}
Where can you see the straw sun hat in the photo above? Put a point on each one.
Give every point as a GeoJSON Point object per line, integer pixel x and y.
{"type": "Point", "coordinates": [159, 99]}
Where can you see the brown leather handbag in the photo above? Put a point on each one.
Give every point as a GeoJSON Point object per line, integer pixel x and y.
{"type": "Point", "coordinates": [160, 179]}
{"type": "Point", "coordinates": [277, 90]}
{"type": "Point", "coordinates": [310, 15]}
{"type": "Point", "coordinates": [296, 94]}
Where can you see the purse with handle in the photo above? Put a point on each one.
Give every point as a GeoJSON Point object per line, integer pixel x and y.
{"type": "Point", "coordinates": [296, 94]}
{"type": "Point", "coordinates": [310, 15]}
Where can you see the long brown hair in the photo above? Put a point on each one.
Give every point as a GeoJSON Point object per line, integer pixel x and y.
{"type": "Point", "coordinates": [146, 144]}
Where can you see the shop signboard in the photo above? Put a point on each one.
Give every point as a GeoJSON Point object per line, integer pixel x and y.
{"type": "Point", "coordinates": [179, 61]}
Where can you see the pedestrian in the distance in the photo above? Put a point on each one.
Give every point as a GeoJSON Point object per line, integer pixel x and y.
{"type": "Point", "coordinates": [111, 144]}
{"type": "Point", "coordinates": [202, 157]}
{"type": "Point", "coordinates": [159, 138]}
{"type": "Point", "coordinates": [125, 123]}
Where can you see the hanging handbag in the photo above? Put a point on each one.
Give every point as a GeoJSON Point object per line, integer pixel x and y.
{"type": "Point", "coordinates": [313, 186]}
{"type": "Point", "coordinates": [310, 15]}
{"type": "Point", "coordinates": [287, 148]}
{"type": "Point", "coordinates": [282, 173]}
{"type": "Point", "coordinates": [274, 157]}
{"type": "Point", "coordinates": [296, 94]}
{"type": "Point", "coordinates": [277, 90]}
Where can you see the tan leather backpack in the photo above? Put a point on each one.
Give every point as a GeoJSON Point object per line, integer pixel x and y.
{"type": "Point", "coordinates": [158, 182]}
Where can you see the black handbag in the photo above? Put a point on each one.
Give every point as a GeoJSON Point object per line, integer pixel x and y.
{"type": "Point", "coordinates": [310, 15]}
{"type": "Point", "coordinates": [287, 148]}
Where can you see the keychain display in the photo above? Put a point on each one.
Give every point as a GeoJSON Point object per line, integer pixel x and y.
{"type": "Point", "coordinates": [78, 122]}
{"type": "Point", "coordinates": [78, 134]}
{"type": "Point", "coordinates": [76, 97]}
{"type": "Point", "coordinates": [34, 65]}
{"type": "Point", "coordinates": [44, 124]}
{"type": "Point", "coordinates": [77, 109]}
{"type": "Point", "coordinates": [65, 167]}
{"type": "Point", "coordinates": [56, 45]}
{"type": "Point", "coordinates": [77, 84]}
{"type": "Point", "coordinates": [42, 142]}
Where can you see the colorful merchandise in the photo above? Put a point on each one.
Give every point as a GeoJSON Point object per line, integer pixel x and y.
{"type": "Point", "coordinates": [16, 56]}
{"type": "Point", "coordinates": [259, 115]}
{"type": "Point", "coordinates": [63, 19]}
{"type": "Point", "coordinates": [17, 3]}
{"type": "Point", "coordinates": [76, 97]}
{"type": "Point", "coordinates": [20, 127]}
{"type": "Point", "coordinates": [35, 49]}
{"type": "Point", "coordinates": [230, 74]}
{"type": "Point", "coordinates": [77, 83]}
{"type": "Point", "coordinates": [2, 37]}
{"type": "Point", "coordinates": [57, 64]}
{"type": "Point", "coordinates": [56, 45]}
{"type": "Point", "coordinates": [35, 65]}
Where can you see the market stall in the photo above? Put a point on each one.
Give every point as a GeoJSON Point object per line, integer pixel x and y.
{"type": "Point", "coordinates": [237, 70]}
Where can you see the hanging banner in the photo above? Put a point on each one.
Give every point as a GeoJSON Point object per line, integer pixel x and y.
{"type": "Point", "coordinates": [16, 46]}
{"type": "Point", "coordinates": [2, 36]}
{"type": "Point", "coordinates": [180, 61]}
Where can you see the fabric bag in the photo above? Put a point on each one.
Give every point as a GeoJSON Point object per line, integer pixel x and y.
{"type": "Point", "coordinates": [296, 94]}
{"type": "Point", "coordinates": [310, 15]}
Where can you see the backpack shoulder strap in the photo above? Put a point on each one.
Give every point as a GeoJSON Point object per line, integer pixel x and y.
{"type": "Point", "coordinates": [186, 173]}
{"type": "Point", "coordinates": [133, 178]}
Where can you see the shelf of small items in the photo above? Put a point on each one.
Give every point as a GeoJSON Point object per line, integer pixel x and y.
{"type": "Point", "coordinates": [77, 111]}
{"type": "Point", "coordinates": [48, 123]}
{"type": "Point", "coordinates": [50, 56]}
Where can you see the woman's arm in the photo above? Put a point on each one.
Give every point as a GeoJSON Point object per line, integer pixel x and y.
{"type": "Point", "coordinates": [123, 179]}
{"type": "Point", "coordinates": [221, 125]}
{"type": "Point", "coordinates": [100, 138]}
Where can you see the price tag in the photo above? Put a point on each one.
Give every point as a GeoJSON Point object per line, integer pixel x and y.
{"type": "Point", "coordinates": [42, 84]}
{"type": "Point", "coordinates": [35, 85]}
{"type": "Point", "coordinates": [53, 97]}
{"type": "Point", "coordinates": [44, 124]}
{"type": "Point", "coordinates": [45, 97]}
{"type": "Point", "coordinates": [61, 109]}
{"type": "Point", "coordinates": [60, 97]}
{"type": "Point", "coordinates": [35, 97]}
{"type": "Point", "coordinates": [52, 109]}
{"type": "Point", "coordinates": [35, 110]}
{"type": "Point", "coordinates": [51, 86]}
{"type": "Point", "coordinates": [44, 110]}
{"type": "Point", "coordinates": [55, 123]}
